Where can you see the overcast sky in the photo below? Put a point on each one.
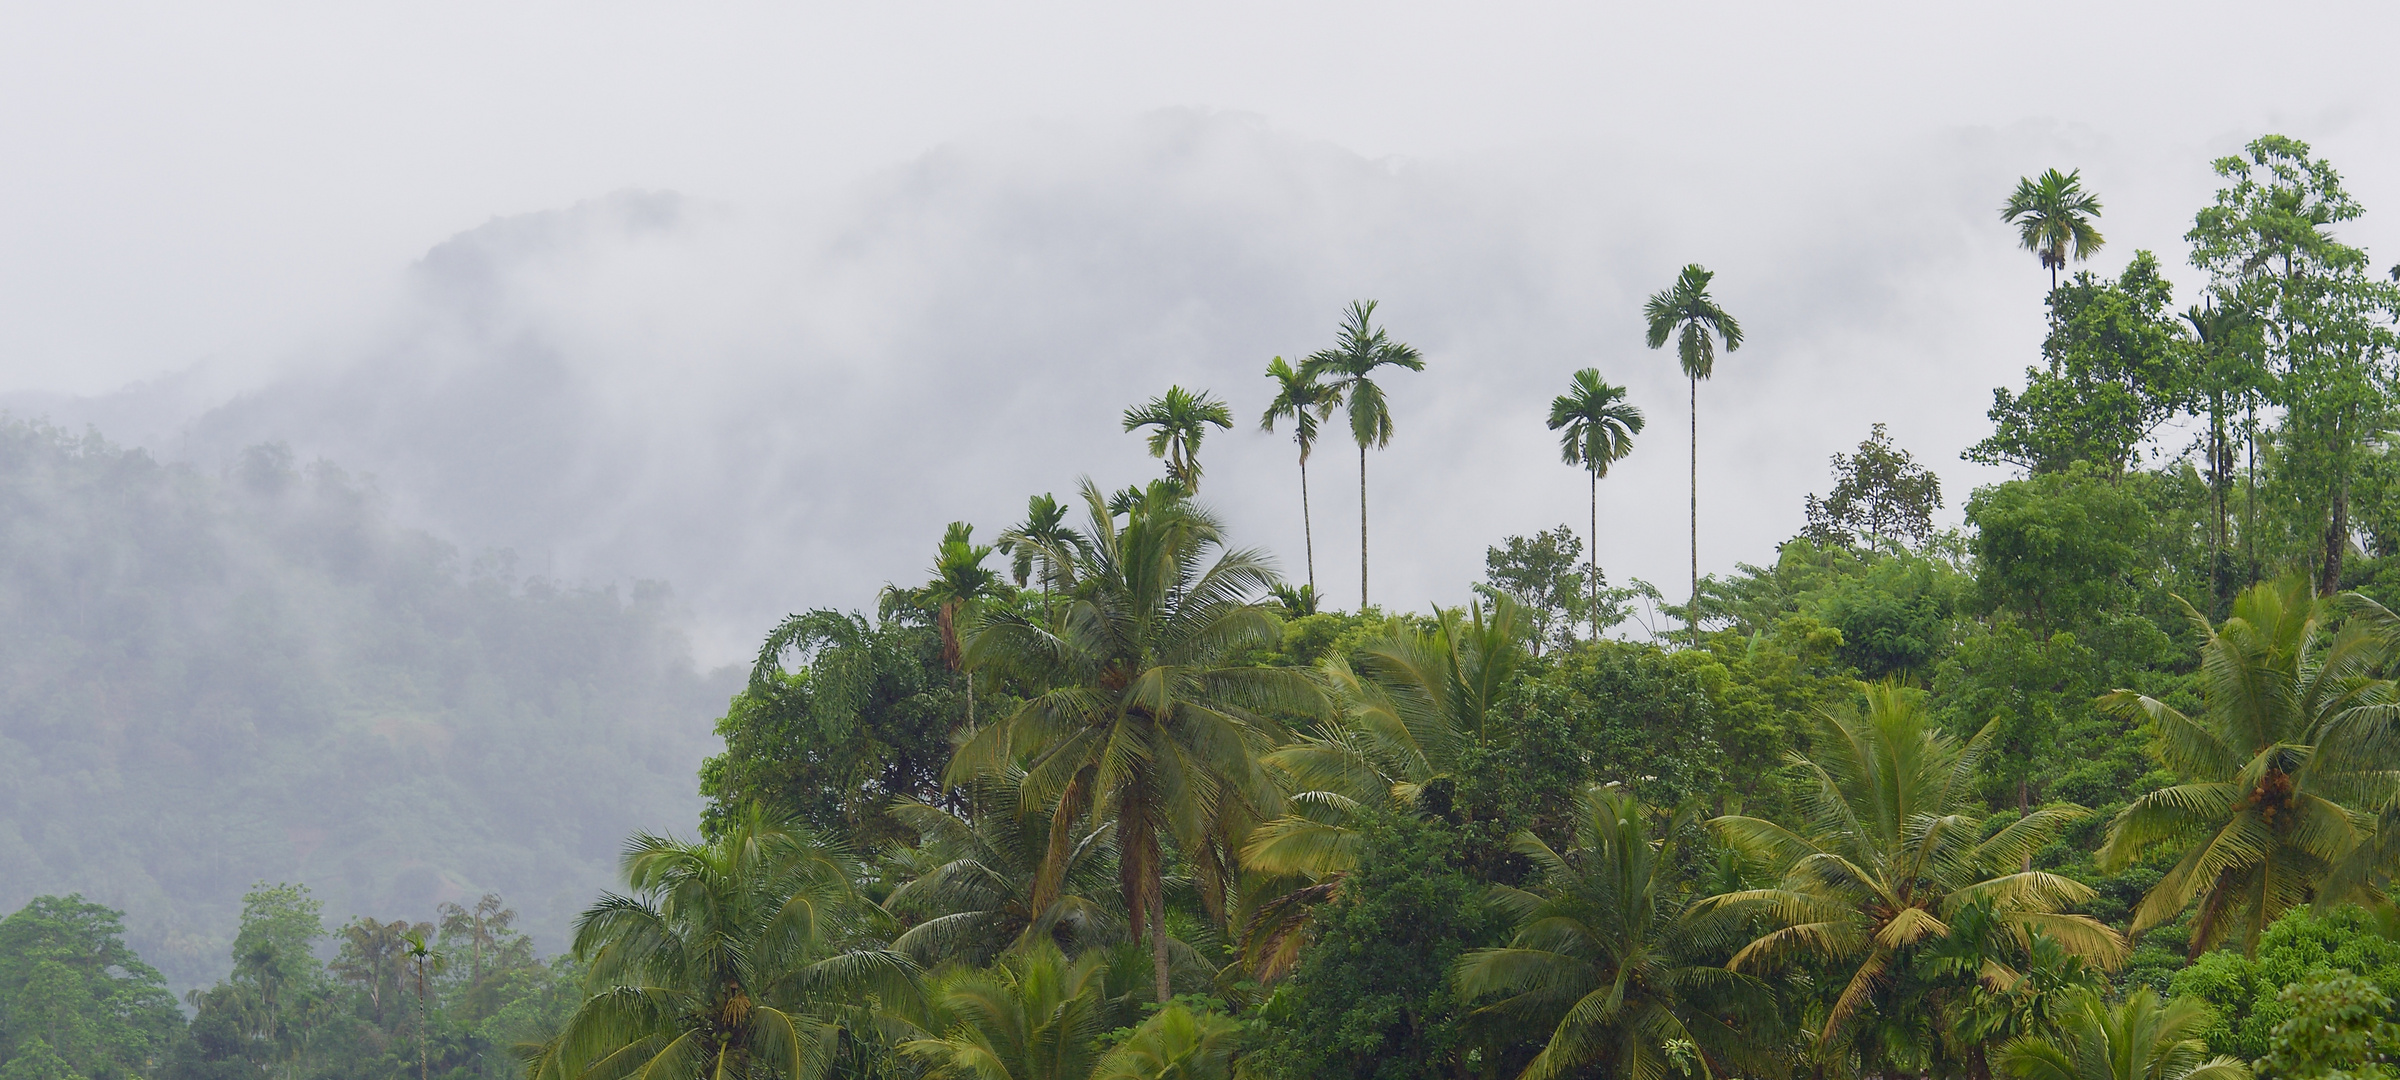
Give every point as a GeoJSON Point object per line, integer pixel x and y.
{"type": "Point", "coordinates": [753, 297]}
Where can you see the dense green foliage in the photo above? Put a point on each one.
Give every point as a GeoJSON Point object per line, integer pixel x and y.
{"type": "Point", "coordinates": [1896, 802]}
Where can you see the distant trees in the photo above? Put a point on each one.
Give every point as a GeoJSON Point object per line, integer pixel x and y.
{"type": "Point", "coordinates": [1360, 349]}
{"type": "Point", "coordinates": [1879, 494]}
{"type": "Point", "coordinates": [1687, 313]}
{"type": "Point", "coordinates": [2053, 215]}
{"type": "Point", "coordinates": [1547, 578]}
{"type": "Point", "coordinates": [74, 1000]}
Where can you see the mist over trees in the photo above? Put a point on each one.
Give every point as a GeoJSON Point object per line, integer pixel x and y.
{"type": "Point", "coordinates": [216, 679]}
{"type": "Point", "coordinates": [2103, 784]}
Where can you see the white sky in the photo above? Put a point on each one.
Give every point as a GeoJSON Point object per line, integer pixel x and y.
{"type": "Point", "coordinates": [246, 182]}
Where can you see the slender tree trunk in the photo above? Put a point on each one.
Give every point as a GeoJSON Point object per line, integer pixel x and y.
{"type": "Point", "coordinates": [1362, 527]}
{"type": "Point", "coordinates": [2337, 540]}
{"type": "Point", "coordinates": [1158, 944]}
{"type": "Point", "coordinates": [1594, 561]}
{"type": "Point", "coordinates": [2250, 492]}
{"type": "Point", "coordinates": [1308, 535]}
{"type": "Point", "coordinates": [1691, 615]}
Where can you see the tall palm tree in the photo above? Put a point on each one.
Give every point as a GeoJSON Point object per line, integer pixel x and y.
{"type": "Point", "coordinates": [2053, 216]}
{"type": "Point", "coordinates": [2294, 727]}
{"type": "Point", "coordinates": [955, 595]}
{"type": "Point", "coordinates": [728, 958]}
{"type": "Point", "coordinates": [1153, 722]}
{"type": "Point", "coordinates": [1300, 398]}
{"type": "Point", "coordinates": [1605, 958]}
{"type": "Point", "coordinates": [1042, 545]}
{"type": "Point", "coordinates": [1891, 851]}
{"type": "Point", "coordinates": [1179, 419]}
{"type": "Point", "coordinates": [422, 958]}
{"type": "Point", "coordinates": [1359, 349]}
{"type": "Point", "coordinates": [1685, 312]}
{"type": "Point", "coordinates": [1596, 426]}
{"type": "Point", "coordinates": [2143, 1039]}
{"type": "Point", "coordinates": [1034, 1015]}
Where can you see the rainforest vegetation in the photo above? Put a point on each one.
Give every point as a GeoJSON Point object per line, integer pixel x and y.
{"type": "Point", "coordinates": [2104, 785]}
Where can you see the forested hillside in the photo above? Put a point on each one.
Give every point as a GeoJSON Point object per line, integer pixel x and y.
{"type": "Point", "coordinates": [206, 681]}
{"type": "Point", "coordinates": [2104, 785]}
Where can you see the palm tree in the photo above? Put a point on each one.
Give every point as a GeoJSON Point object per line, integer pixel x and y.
{"type": "Point", "coordinates": [1412, 702]}
{"type": "Point", "coordinates": [970, 882]}
{"type": "Point", "coordinates": [2053, 216]}
{"type": "Point", "coordinates": [1300, 398]}
{"type": "Point", "coordinates": [1042, 543]}
{"type": "Point", "coordinates": [2293, 728]}
{"type": "Point", "coordinates": [1175, 1043]}
{"type": "Point", "coordinates": [1604, 957]}
{"type": "Point", "coordinates": [1154, 721]}
{"type": "Point", "coordinates": [1890, 853]}
{"type": "Point", "coordinates": [422, 958]}
{"type": "Point", "coordinates": [1598, 427]}
{"type": "Point", "coordinates": [1180, 419]}
{"type": "Point", "coordinates": [2142, 1039]}
{"type": "Point", "coordinates": [955, 594]}
{"type": "Point", "coordinates": [1685, 312]}
{"type": "Point", "coordinates": [1034, 1015]}
{"type": "Point", "coordinates": [1358, 350]}
{"type": "Point", "coordinates": [727, 959]}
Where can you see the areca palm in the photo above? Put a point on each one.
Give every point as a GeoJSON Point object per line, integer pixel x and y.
{"type": "Point", "coordinates": [1360, 349]}
{"type": "Point", "coordinates": [1152, 722]}
{"type": "Point", "coordinates": [1042, 545]}
{"type": "Point", "coordinates": [2053, 216]}
{"type": "Point", "coordinates": [1890, 851]}
{"type": "Point", "coordinates": [959, 586]}
{"type": "Point", "coordinates": [2142, 1039]}
{"type": "Point", "coordinates": [1596, 426]}
{"type": "Point", "coordinates": [728, 959]}
{"type": "Point", "coordinates": [1605, 956]}
{"type": "Point", "coordinates": [1306, 402]}
{"type": "Point", "coordinates": [1178, 420]}
{"type": "Point", "coordinates": [2294, 728]}
{"type": "Point", "coordinates": [1686, 312]}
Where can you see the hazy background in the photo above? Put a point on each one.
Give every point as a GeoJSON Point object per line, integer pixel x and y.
{"type": "Point", "coordinates": [752, 298]}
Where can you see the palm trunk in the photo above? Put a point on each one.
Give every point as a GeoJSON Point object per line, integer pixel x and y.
{"type": "Point", "coordinates": [1594, 561]}
{"type": "Point", "coordinates": [1308, 535]}
{"type": "Point", "coordinates": [2250, 490]}
{"type": "Point", "coordinates": [1691, 615]}
{"type": "Point", "coordinates": [1362, 528]}
{"type": "Point", "coordinates": [2337, 539]}
{"type": "Point", "coordinates": [1158, 945]}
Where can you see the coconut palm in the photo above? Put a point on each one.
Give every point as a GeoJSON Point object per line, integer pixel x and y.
{"type": "Point", "coordinates": [1604, 957]}
{"type": "Point", "coordinates": [1596, 428]}
{"type": "Point", "coordinates": [1179, 419]}
{"type": "Point", "coordinates": [1358, 351]}
{"type": "Point", "coordinates": [2142, 1039]}
{"type": "Point", "coordinates": [1306, 402]}
{"type": "Point", "coordinates": [1685, 312]}
{"type": "Point", "coordinates": [1153, 721]}
{"type": "Point", "coordinates": [970, 882]}
{"type": "Point", "coordinates": [2294, 727]}
{"type": "Point", "coordinates": [1175, 1043]}
{"type": "Point", "coordinates": [2053, 216]}
{"type": "Point", "coordinates": [1034, 1015]}
{"type": "Point", "coordinates": [1411, 702]}
{"type": "Point", "coordinates": [1890, 850]}
{"type": "Point", "coordinates": [729, 958]}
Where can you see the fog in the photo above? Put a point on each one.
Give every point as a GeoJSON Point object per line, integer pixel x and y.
{"type": "Point", "coordinates": [752, 299]}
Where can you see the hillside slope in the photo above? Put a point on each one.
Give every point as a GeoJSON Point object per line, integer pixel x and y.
{"type": "Point", "coordinates": [207, 681]}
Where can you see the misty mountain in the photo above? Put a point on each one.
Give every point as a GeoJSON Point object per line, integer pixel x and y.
{"type": "Point", "coordinates": [778, 407]}
{"type": "Point", "coordinates": [212, 679]}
